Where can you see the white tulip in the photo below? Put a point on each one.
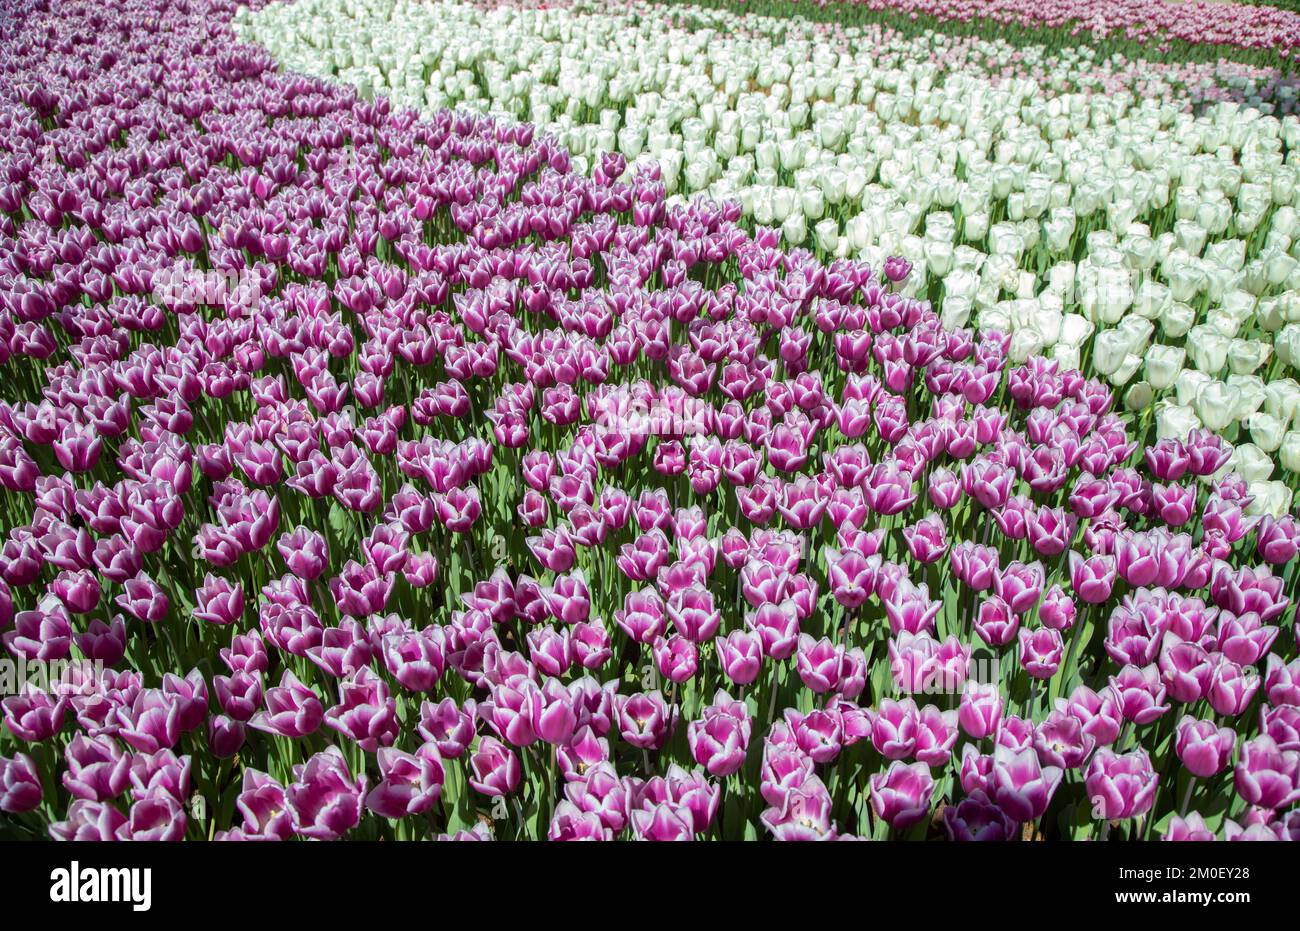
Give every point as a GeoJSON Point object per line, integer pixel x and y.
{"type": "Point", "coordinates": [1208, 349]}
{"type": "Point", "coordinates": [977, 226]}
{"type": "Point", "coordinates": [1105, 293]}
{"type": "Point", "coordinates": [955, 312]}
{"type": "Point", "coordinates": [1163, 365]}
{"type": "Point", "coordinates": [1250, 462]}
{"type": "Point", "coordinates": [961, 283]}
{"type": "Point", "coordinates": [1067, 356]}
{"type": "Point", "coordinates": [813, 203]}
{"type": "Point", "coordinates": [1075, 329]}
{"type": "Point", "coordinates": [1185, 280]}
{"type": "Point", "coordinates": [1025, 342]}
{"type": "Point", "coordinates": [1151, 299]}
{"type": "Point", "coordinates": [1221, 321]}
{"type": "Point", "coordinates": [1245, 356]}
{"type": "Point", "coordinates": [939, 257]}
{"type": "Point", "coordinates": [1215, 405]}
{"type": "Point", "coordinates": [1175, 421]}
{"type": "Point", "coordinates": [1127, 369]}
{"type": "Point", "coordinates": [1272, 498]}
{"type": "Point", "coordinates": [1109, 351]}
{"type": "Point", "coordinates": [1061, 278]}
{"type": "Point", "coordinates": [794, 230]}
{"type": "Point", "coordinates": [807, 126]}
{"type": "Point", "coordinates": [1177, 319]}
{"type": "Point", "coordinates": [827, 235]}
{"type": "Point", "coordinates": [1282, 399]}
{"type": "Point", "coordinates": [1289, 453]}
{"type": "Point", "coordinates": [784, 202]}
{"type": "Point", "coordinates": [1249, 394]}
{"type": "Point", "coordinates": [1266, 431]}
{"type": "Point", "coordinates": [1137, 332]}
{"type": "Point", "coordinates": [1005, 239]}
{"type": "Point", "coordinates": [1287, 344]}
{"type": "Point", "coordinates": [1139, 397]}
{"type": "Point", "coordinates": [767, 155]}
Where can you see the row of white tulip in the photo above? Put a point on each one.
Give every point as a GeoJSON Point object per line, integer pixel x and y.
{"type": "Point", "coordinates": [1084, 206]}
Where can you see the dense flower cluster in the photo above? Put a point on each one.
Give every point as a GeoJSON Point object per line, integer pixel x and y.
{"type": "Point", "coordinates": [1083, 207]}
{"type": "Point", "coordinates": [1145, 22]}
{"type": "Point", "coordinates": [376, 474]}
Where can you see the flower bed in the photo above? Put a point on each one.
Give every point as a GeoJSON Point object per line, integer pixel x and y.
{"type": "Point", "coordinates": [1084, 207]}
{"type": "Point", "coordinates": [370, 474]}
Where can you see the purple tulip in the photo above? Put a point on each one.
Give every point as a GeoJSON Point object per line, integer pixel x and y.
{"type": "Point", "coordinates": [926, 539]}
{"type": "Point", "coordinates": [366, 712]}
{"type": "Point", "coordinates": [1282, 724]}
{"type": "Point", "coordinates": [1189, 828]}
{"type": "Point", "coordinates": [1098, 712]}
{"type": "Point", "coordinates": [415, 658]}
{"type": "Point", "coordinates": [1266, 775]}
{"type": "Point", "coordinates": [494, 768]}
{"type": "Point", "coordinates": [995, 622]}
{"type": "Point", "coordinates": [980, 711]}
{"type": "Point", "coordinates": [97, 770]}
{"type": "Point", "coordinates": [618, 362]}
{"type": "Point", "coordinates": [324, 800]}
{"type": "Point", "coordinates": [152, 722]}
{"type": "Point", "coordinates": [1203, 748]}
{"type": "Point", "coordinates": [644, 720]}
{"type": "Point", "coordinates": [720, 738]}
{"type": "Point", "coordinates": [1231, 688]}
{"type": "Point", "coordinates": [305, 552]}
{"type": "Point", "coordinates": [1040, 651]}
{"type": "Point", "coordinates": [901, 794]}
{"type": "Point", "coordinates": [824, 666]}
{"type": "Point", "coordinates": [1092, 578]}
{"type": "Point", "coordinates": [740, 653]}
{"type": "Point", "coordinates": [1139, 694]}
{"type": "Point", "coordinates": [1120, 786]}
{"type": "Point", "coordinates": [292, 709]}
{"type": "Point", "coordinates": [411, 783]}
{"type": "Point", "coordinates": [936, 734]}
{"type": "Point", "coordinates": [164, 772]}
{"type": "Point", "coordinates": [89, 821]}
{"type": "Point", "coordinates": [804, 813]}
{"type": "Point", "coordinates": [1021, 786]}
{"type": "Point", "coordinates": [218, 601]}
{"type": "Point", "coordinates": [448, 726]}
{"type": "Point", "coordinates": [1057, 609]}
{"type": "Point", "coordinates": [226, 736]}
{"type": "Point", "coordinates": [264, 805]}
{"type": "Point", "coordinates": [918, 663]}
{"type": "Point", "coordinates": [976, 818]}
{"type": "Point", "coordinates": [581, 754]}
{"type": "Point", "coordinates": [20, 784]}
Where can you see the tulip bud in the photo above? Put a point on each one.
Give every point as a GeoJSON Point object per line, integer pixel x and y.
{"type": "Point", "coordinates": [1162, 365]}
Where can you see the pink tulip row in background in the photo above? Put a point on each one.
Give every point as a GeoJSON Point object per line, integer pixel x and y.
{"type": "Point", "coordinates": [375, 476]}
{"type": "Point", "coordinates": [1161, 23]}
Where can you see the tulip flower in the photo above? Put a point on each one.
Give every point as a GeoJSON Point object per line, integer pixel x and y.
{"type": "Point", "coordinates": [1120, 786]}
{"type": "Point", "coordinates": [20, 784]}
{"type": "Point", "coordinates": [1203, 748]}
{"type": "Point", "coordinates": [1021, 786]}
{"type": "Point", "coordinates": [1266, 775]}
{"type": "Point", "coordinates": [900, 796]}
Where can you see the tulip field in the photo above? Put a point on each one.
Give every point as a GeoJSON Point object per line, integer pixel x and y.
{"type": "Point", "coordinates": [593, 420]}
